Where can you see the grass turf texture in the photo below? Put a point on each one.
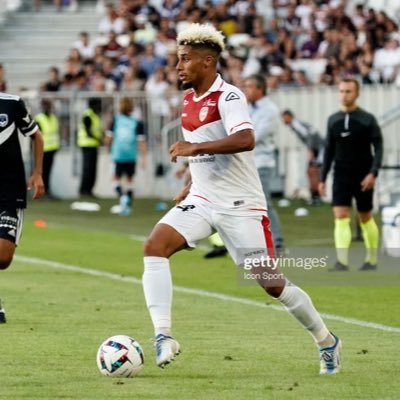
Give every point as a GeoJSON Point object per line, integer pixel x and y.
{"type": "Point", "coordinates": [57, 319]}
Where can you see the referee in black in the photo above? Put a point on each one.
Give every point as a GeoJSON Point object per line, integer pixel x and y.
{"type": "Point", "coordinates": [354, 143]}
{"type": "Point", "coordinates": [15, 118]}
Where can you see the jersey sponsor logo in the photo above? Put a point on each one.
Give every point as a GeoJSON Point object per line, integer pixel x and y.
{"type": "Point", "coordinates": [186, 207]}
{"type": "Point", "coordinates": [203, 113]}
{"type": "Point", "coordinates": [345, 134]}
{"type": "Point", "coordinates": [3, 120]}
{"type": "Point", "coordinates": [232, 96]}
{"type": "Point", "coordinates": [210, 103]}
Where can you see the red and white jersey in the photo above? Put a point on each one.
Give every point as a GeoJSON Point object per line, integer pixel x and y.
{"type": "Point", "coordinates": [227, 180]}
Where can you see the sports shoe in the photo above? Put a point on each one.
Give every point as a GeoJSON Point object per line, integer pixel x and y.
{"type": "Point", "coordinates": [2, 315]}
{"type": "Point", "coordinates": [167, 348]}
{"type": "Point", "coordinates": [217, 251]}
{"type": "Point", "coordinates": [338, 267]}
{"type": "Point", "coordinates": [367, 266]}
{"type": "Point", "coordinates": [330, 357]}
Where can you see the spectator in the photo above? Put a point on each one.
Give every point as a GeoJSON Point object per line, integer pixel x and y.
{"type": "Point", "coordinates": [112, 49]}
{"type": "Point", "coordinates": [156, 87]}
{"type": "Point", "coordinates": [387, 61]}
{"type": "Point", "coordinates": [111, 21]}
{"type": "Point", "coordinates": [149, 62]}
{"type": "Point", "coordinates": [145, 32]}
{"type": "Point", "coordinates": [309, 48]}
{"type": "Point", "coordinates": [83, 45]}
{"type": "Point", "coordinates": [54, 83]}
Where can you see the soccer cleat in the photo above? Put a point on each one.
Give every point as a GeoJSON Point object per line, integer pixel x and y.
{"type": "Point", "coordinates": [338, 267]}
{"type": "Point", "coordinates": [330, 357]}
{"type": "Point", "coordinates": [167, 348]}
{"type": "Point", "coordinates": [217, 251]}
{"type": "Point", "coordinates": [367, 266]}
{"type": "Point", "coordinates": [2, 315]}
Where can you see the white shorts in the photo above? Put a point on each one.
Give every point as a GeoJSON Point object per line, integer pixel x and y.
{"type": "Point", "coordinates": [244, 232]}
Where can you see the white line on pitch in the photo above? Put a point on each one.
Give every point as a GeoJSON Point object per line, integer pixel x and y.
{"type": "Point", "coordinates": [196, 292]}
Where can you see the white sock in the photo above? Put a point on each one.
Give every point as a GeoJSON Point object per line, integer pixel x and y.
{"type": "Point", "coordinates": [157, 287]}
{"type": "Point", "coordinates": [300, 306]}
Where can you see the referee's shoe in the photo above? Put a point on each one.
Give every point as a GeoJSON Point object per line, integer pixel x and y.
{"type": "Point", "coordinates": [367, 266]}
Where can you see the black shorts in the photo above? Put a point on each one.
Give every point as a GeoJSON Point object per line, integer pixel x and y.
{"type": "Point", "coordinates": [11, 221]}
{"type": "Point", "coordinates": [345, 189]}
{"type": "Point", "coordinates": [125, 169]}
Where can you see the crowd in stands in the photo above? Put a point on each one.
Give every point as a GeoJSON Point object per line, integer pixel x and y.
{"type": "Point", "coordinates": [295, 43]}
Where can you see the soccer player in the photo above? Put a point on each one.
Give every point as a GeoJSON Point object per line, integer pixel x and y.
{"type": "Point", "coordinates": [309, 136]}
{"type": "Point", "coordinates": [124, 135]}
{"type": "Point", "coordinates": [14, 117]}
{"type": "Point", "coordinates": [352, 133]}
{"type": "Point", "coordinates": [225, 195]}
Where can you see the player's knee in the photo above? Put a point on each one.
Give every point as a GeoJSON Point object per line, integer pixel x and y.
{"type": "Point", "coordinates": [153, 248]}
{"type": "Point", "coordinates": [274, 291]}
{"type": "Point", "coordinates": [5, 262]}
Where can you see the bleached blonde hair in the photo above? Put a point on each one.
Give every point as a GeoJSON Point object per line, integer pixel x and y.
{"type": "Point", "coordinates": [202, 35]}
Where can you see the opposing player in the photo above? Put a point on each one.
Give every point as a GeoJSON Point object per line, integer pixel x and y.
{"type": "Point", "coordinates": [14, 117]}
{"type": "Point", "coordinates": [225, 195]}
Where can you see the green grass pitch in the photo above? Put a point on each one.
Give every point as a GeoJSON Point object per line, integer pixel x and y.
{"type": "Point", "coordinates": [57, 318]}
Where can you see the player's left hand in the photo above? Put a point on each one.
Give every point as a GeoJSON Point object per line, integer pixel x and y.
{"type": "Point", "coordinates": [182, 148]}
{"type": "Point", "coordinates": [368, 183]}
{"type": "Point", "coordinates": [36, 182]}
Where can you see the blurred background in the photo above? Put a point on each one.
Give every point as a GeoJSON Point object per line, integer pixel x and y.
{"type": "Point", "coordinates": [68, 51]}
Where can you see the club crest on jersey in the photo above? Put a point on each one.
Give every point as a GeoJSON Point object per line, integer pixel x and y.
{"type": "Point", "coordinates": [203, 113]}
{"type": "Point", "coordinates": [3, 120]}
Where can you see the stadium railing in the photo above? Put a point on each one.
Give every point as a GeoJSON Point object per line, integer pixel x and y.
{"type": "Point", "coordinates": [161, 118]}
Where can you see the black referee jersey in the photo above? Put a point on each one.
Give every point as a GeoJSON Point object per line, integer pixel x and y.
{"type": "Point", "coordinates": [354, 143]}
{"type": "Point", "coordinates": [14, 118]}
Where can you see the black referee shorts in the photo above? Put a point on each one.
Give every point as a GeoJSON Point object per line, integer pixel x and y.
{"type": "Point", "coordinates": [345, 189]}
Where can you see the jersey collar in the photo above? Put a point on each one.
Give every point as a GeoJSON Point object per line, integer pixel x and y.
{"type": "Point", "coordinates": [215, 87]}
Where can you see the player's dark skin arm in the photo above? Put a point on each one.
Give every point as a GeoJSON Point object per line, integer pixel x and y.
{"type": "Point", "coordinates": [235, 143]}
{"type": "Point", "coordinates": [36, 180]}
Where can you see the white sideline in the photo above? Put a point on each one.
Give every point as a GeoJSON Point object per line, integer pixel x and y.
{"type": "Point", "coordinates": [197, 292]}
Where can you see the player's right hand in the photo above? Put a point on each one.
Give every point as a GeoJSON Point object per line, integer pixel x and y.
{"type": "Point", "coordinates": [182, 148]}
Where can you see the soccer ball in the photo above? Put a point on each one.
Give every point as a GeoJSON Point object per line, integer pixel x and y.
{"type": "Point", "coordinates": [120, 356]}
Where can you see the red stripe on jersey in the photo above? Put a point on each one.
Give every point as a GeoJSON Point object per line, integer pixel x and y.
{"type": "Point", "coordinates": [258, 209]}
{"type": "Point", "coordinates": [268, 236]}
{"type": "Point", "coordinates": [198, 113]}
{"type": "Point", "coordinates": [201, 197]}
